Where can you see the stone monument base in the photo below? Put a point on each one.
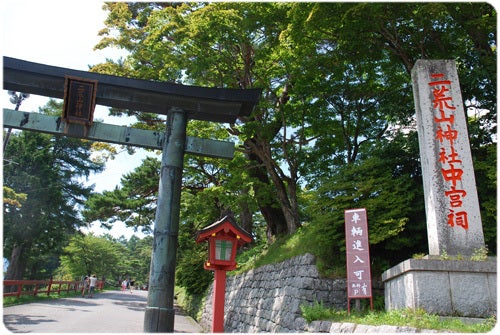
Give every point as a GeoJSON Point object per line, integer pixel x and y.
{"type": "Point", "coordinates": [443, 287]}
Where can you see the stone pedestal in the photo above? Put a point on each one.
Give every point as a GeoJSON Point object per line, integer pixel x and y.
{"type": "Point", "coordinates": [443, 287]}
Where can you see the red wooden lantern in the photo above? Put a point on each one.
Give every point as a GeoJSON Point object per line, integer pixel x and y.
{"type": "Point", "coordinates": [224, 237]}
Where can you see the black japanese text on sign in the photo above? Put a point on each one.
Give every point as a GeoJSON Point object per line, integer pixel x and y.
{"type": "Point", "coordinates": [79, 100]}
{"type": "Point", "coordinates": [359, 284]}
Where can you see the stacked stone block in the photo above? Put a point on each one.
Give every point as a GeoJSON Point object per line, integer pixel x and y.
{"type": "Point", "coordinates": [268, 299]}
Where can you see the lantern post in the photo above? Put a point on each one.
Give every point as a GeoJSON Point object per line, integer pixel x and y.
{"type": "Point", "coordinates": [224, 237]}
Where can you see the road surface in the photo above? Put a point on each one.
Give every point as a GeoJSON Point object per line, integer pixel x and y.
{"type": "Point", "coordinates": [105, 312]}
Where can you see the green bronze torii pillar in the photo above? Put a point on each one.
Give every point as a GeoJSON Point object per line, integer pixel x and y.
{"type": "Point", "coordinates": [180, 103]}
{"type": "Point", "coordinates": [159, 316]}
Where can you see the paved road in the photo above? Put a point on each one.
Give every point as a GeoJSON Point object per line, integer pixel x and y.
{"type": "Point", "coordinates": [106, 312]}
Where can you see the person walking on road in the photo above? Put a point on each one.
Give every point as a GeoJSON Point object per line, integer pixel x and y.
{"type": "Point", "coordinates": [131, 285]}
{"type": "Point", "coordinates": [93, 281]}
{"type": "Point", "coordinates": [124, 285]}
{"type": "Point", "coordinates": [86, 283]}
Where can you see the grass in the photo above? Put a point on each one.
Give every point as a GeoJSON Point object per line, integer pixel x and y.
{"type": "Point", "coordinates": [308, 240]}
{"type": "Point", "coordinates": [304, 241]}
{"type": "Point", "coordinates": [25, 299]}
{"type": "Point", "coordinates": [407, 317]}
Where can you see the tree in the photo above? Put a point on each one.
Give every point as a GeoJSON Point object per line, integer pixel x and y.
{"type": "Point", "coordinates": [355, 84]}
{"type": "Point", "coordinates": [336, 89]}
{"type": "Point", "coordinates": [208, 190]}
{"type": "Point", "coordinates": [134, 203]}
{"type": "Point", "coordinates": [216, 45]}
{"type": "Point", "coordinates": [12, 199]}
{"type": "Point", "coordinates": [89, 254]}
{"type": "Point", "coordinates": [141, 256]}
{"type": "Point", "coordinates": [47, 170]}
{"type": "Point", "coordinates": [108, 257]}
{"type": "Point", "coordinates": [389, 185]}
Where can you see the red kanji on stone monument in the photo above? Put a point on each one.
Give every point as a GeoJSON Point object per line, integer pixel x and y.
{"type": "Point", "coordinates": [449, 157]}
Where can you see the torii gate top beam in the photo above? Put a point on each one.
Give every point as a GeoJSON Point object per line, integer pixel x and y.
{"type": "Point", "coordinates": [200, 103]}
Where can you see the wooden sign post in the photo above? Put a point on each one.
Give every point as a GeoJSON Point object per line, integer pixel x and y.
{"type": "Point", "coordinates": [359, 281]}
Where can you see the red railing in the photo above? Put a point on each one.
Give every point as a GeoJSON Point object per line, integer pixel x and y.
{"type": "Point", "coordinates": [43, 286]}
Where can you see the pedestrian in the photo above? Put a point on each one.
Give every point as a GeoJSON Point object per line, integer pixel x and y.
{"type": "Point", "coordinates": [86, 283]}
{"type": "Point", "coordinates": [124, 285]}
{"type": "Point", "coordinates": [93, 281]}
{"type": "Point", "coordinates": [131, 285]}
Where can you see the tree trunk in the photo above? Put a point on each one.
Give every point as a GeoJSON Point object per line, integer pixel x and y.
{"type": "Point", "coordinates": [291, 216]}
{"type": "Point", "coordinates": [17, 265]}
{"type": "Point", "coordinates": [284, 187]}
{"type": "Point", "coordinates": [269, 207]}
{"type": "Point", "coordinates": [246, 217]}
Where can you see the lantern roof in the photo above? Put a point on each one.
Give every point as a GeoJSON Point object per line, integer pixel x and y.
{"type": "Point", "coordinates": [227, 225]}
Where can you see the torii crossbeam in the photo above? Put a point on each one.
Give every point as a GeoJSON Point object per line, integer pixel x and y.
{"type": "Point", "coordinates": [200, 103]}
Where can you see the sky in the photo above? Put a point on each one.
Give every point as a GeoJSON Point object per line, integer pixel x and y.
{"type": "Point", "coordinates": [64, 33]}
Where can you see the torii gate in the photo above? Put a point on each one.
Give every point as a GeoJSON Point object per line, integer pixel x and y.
{"type": "Point", "coordinates": [180, 103]}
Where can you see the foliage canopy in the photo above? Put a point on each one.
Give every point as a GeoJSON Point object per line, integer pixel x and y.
{"type": "Point", "coordinates": [335, 127]}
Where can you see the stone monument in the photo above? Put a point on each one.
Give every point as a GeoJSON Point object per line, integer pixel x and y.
{"type": "Point", "coordinates": [454, 227]}
{"type": "Point", "coordinates": [452, 207]}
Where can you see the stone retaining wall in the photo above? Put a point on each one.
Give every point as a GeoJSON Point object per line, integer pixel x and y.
{"type": "Point", "coordinates": [268, 299]}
